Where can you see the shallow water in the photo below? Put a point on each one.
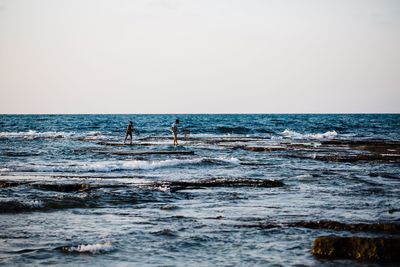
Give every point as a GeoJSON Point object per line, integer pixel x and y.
{"type": "Point", "coordinates": [72, 196]}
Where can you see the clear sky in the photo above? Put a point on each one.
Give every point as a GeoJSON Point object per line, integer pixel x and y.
{"type": "Point", "coordinates": [204, 56]}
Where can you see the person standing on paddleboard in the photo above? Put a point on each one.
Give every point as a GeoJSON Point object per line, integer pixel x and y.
{"type": "Point", "coordinates": [174, 130]}
{"type": "Point", "coordinates": [129, 131]}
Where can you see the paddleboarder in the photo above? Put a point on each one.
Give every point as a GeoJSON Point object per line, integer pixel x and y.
{"type": "Point", "coordinates": [174, 131]}
{"type": "Point", "coordinates": [129, 131]}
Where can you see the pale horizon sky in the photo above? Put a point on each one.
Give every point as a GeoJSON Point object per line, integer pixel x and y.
{"type": "Point", "coordinates": [186, 56]}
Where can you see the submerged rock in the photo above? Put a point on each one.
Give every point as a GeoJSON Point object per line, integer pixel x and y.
{"type": "Point", "coordinates": [361, 227]}
{"type": "Point", "coordinates": [6, 184]}
{"type": "Point", "coordinates": [63, 187]}
{"type": "Point", "coordinates": [264, 148]}
{"type": "Point", "coordinates": [15, 206]}
{"type": "Point", "coordinates": [219, 182]}
{"type": "Point", "coordinates": [361, 157]}
{"type": "Point", "coordinates": [359, 248]}
{"type": "Point", "coordinates": [169, 207]}
{"type": "Point", "coordinates": [371, 150]}
{"type": "Point", "coordinates": [149, 152]}
{"type": "Point", "coordinates": [331, 225]}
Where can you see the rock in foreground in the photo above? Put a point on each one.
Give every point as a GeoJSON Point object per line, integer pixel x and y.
{"type": "Point", "coordinates": [359, 248]}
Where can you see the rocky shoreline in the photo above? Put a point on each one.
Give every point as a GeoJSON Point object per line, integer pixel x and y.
{"type": "Point", "coordinates": [382, 249]}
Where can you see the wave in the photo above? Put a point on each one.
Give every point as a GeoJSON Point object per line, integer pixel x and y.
{"type": "Point", "coordinates": [233, 130]}
{"type": "Point", "coordinates": [295, 135]}
{"type": "Point", "coordinates": [32, 135]}
{"type": "Point", "coordinates": [223, 160]}
{"type": "Point", "coordinates": [114, 166]}
{"type": "Point", "coordinates": [89, 248]}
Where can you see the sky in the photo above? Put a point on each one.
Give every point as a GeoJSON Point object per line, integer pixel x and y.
{"type": "Point", "coordinates": [204, 56]}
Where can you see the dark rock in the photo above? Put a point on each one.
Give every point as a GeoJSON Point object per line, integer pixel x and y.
{"type": "Point", "coordinates": [63, 187]}
{"type": "Point", "coordinates": [14, 206]}
{"type": "Point", "coordinates": [348, 157]}
{"type": "Point", "coordinates": [348, 151]}
{"type": "Point", "coordinates": [260, 225]}
{"type": "Point", "coordinates": [219, 182]}
{"type": "Point", "coordinates": [113, 144]}
{"type": "Point", "coordinates": [264, 149]}
{"type": "Point", "coordinates": [6, 184]}
{"type": "Point", "coordinates": [359, 248]}
{"type": "Point", "coordinates": [361, 227]}
{"type": "Point", "coordinates": [148, 152]}
{"type": "Point", "coordinates": [19, 154]}
{"type": "Point", "coordinates": [374, 147]}
{"type": "Point", "coordinates": [332, 225]}
{"type": "Point", "coordinates": [361, 157]}
{"type": "Point", "coordinates": [169, 207]}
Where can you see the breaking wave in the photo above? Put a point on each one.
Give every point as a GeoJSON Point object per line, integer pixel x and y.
{"type": "Point", "coordinates": [32, 135]}
{"type": "Point", "coordinates": [90, 248]}
{"type": "Point", "coordinates": [112, 166]}
{"type": "Point", "coordinates": [295, 135]}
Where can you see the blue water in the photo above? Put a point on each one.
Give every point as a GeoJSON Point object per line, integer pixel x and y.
{"type": "Point", "coordinates": [132, 217]}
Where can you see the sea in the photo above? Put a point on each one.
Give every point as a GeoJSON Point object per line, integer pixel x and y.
{"type": "Point", "coordinates": [233, 192]}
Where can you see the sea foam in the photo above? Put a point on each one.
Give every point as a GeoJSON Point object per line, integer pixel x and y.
{"type": "Point", "coordinates": [115, 165]}
{"type": "Point", "coordinates": [295, 135]}
{"type": "Point", "coordinates": [91, 248]}
{"type": "Point", "coordinates": [105, 166]}
{"type": "Point", "coordinates": [31, 135]}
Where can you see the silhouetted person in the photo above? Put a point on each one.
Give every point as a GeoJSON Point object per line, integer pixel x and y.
{"type": "Point", "coordinates": [129, 131]}
{"type": "Point", "coordinates": [174, 130]}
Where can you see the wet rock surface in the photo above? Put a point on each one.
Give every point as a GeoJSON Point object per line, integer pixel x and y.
{"type": "Point", "coordinates": [219, 182]}
{"type": "Point", "coordinates": [149, 152]}
{"type": "Point", "coordinates": [332, 225]}
{"type": "Point", "coordinates": [337, 150]}
{"type": "Point", "coordinates": [358, 248]}
{"type": "Point", "coordinates": [264, 149]}
{"type": "Point", "coordinates": [13, 206]}
{"type": "Point", "coordinates": [359, 227]}
{"type": "Point", "coordinates": [6, 184]}
{"type": "Point", "coordinates": [97, 195]}
{"type": "Point", "coordinates": [63, 187]}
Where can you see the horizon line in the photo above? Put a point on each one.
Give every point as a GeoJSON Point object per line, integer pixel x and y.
{"type": "Point", "coordinates": [233, 113]}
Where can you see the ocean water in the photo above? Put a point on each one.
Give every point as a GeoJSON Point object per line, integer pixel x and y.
{"type": "Point", "coordinates": [71, 194]}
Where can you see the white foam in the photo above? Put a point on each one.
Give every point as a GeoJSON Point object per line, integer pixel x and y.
{"type": "Point", "coordinates": [113, 165]}
{"type": "Point", "coordinates": [295, 135]}
{"type": "Point", "coordinates": [30, 135]}
{"type": "Point", "coordinates": [106, 166]}
{"type": "Point", "coordinates": [231, 160]}
{"type": "Point", "coordinates": [162, 188]}
{"type": "Point", "coordinates": [32, 203]}
{"type": "Point", "coordinates": [90, 136]}
{"type": "Point", "coordinates": [92, 248]}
